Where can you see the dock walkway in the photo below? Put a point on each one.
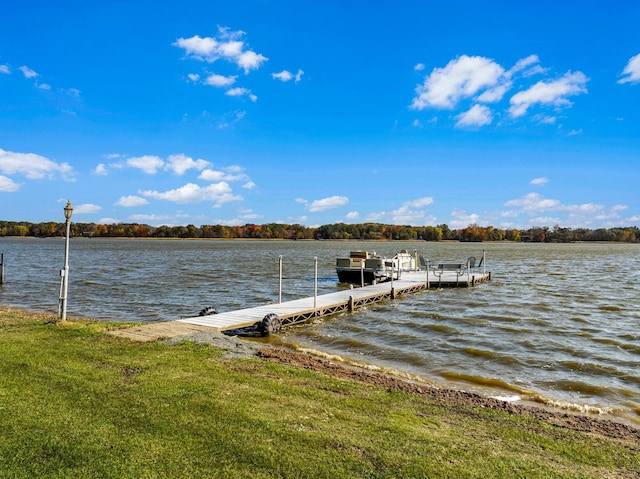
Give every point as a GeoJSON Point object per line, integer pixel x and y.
{"type": "Point", "coordinates": [295, 311]}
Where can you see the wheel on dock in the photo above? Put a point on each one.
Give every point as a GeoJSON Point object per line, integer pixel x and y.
{"type": "Point", "coordinates": [270, 324]}
{"type": "Point", "coordinates": [208, 311]}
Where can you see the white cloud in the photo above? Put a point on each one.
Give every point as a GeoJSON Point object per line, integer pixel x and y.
{"type": "Point", "coordinates": [5, 69]}
{"type": "Point", "coordinates": [462, 219]}
{"type": "Point", "coordinates": [27, 72]}
{"type": "Point", "coordinates": [410, 213]}
{"type": "Point", "coordinates": [198, 47]}
{"type": "Point", "coordinates": [482, 80]}
{"type": "Point", "coordinates": [194, 77]}
{"type": "Point", "coordinates": [419, 67]}
{"type": "Point", "coordinates": [420, 202]}
{"type": "Point", "coordinates": [539, 210]}
{"type": "Point", "coordinates": [539, 181]}
{"type": "Point", "coordinates": [226, 46]}
{"type": "Point", "coordinates": [533, 202]}
{"type": "Point", "coordinates": [32, 166]}
{"type": "Point", "coordinates": [100, 170]}
{"type": "Point", "coordinates": [496, 93]}
{"type": "Point", "coordinates": [478, 115]}
{"type": "Point", "coordinates": [327, 203]}
{"type": "Point", "coordinates": [463, 77]}
{"type": "Point", "coordinates": [230, 173]}
{"type": "Point", "coordinates": [283, 76]}
{"type": "Point", "coordinates": [352, 215]}
{"type": "Point", "coordinates": [523, 64]}
{"type": "Point", "coordinates": [147, 163]}
{"type": "Point", "coordinates": [211, 175]}
{"type": "Point", "coordinates": [218, 193]}
{"type": "Point", "coordinates": [131, 201]}
{"type": "Point", "coordinates": [250, 60]}
{"type": "Point", "coordinates": [44, 86]}
{"type": "Point", "coordinates": [159, 220]}
{"type": "Point", "coordinates": [406, 216]}
{"type": "Point", "coordinates": [181, 163]}
{"type": "Point", "coordinates": [241, 92]}
{"type": "Point", "coordinates": [549, 93]}
{"type": "Point", "coordinates": [544, 120]}
{"type": "Point", "coordinates": [586, 208]}
{"type": "Point", "coordinates": [220, 80]}
{"type": "Point", "coordinates": [631, 73]}
{"type": "Point", "coordinates": [86, 208]}
{"type": "Point", "coordinates": [7, 185]}
{"type": "Point", "coordinates": [376, 216]}
{"type": "Point", "coordinates": [249, 185]}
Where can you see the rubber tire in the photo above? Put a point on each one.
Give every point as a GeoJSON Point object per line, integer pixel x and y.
{"type": "Point", "coordinates": [209, 310]}
{"type": "Point", "coordinates": [271, 324]}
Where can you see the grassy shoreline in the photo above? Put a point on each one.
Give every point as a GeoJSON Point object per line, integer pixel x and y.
{"type": "Point", "coordinates": [76, 402]}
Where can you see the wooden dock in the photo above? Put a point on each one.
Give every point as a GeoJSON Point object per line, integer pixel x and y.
{"type": "Point", "coordinates": [269, 318]}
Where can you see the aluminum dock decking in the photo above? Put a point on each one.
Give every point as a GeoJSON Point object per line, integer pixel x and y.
{"type": "Point", "coordinates": [295, 311]}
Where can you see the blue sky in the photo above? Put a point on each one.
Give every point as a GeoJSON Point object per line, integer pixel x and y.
{"type": "Point", "coordinates": [508, 114]}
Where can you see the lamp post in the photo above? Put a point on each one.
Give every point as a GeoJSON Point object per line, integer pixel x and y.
{"type": "Point", "coordinates": [68, 210]}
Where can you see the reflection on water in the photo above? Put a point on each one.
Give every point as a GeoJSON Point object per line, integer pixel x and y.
{"type": "Point", "coordinates": [557, 324]}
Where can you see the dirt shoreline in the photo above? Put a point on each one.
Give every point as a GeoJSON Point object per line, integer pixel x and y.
{"type": "Point", "coordinates": [236, 348]}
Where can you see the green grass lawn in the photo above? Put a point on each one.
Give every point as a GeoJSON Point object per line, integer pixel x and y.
{"type": "Point", "coordinates": [76, 402]}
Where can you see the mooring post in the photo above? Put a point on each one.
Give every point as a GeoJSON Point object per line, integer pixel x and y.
{"type": "Point", "coordinates": [483, 261]}
{"type": "Point", "coordinates": [280, 279]}
{"type": "Point", "coordinates": [362, 274]}
{"type": "Point", "coordinates": [350, 303]}
{"type": "Point", "coordinates": [1, 268]}
{"type": "Point", "coordinates": [393, 291]}
{"type": "Point", "coordinates": [315, 282]}
{"type": "Point", "coordinates": [427, 274]}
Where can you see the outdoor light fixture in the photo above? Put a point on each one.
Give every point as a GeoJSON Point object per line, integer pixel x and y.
{"type": "Point", "coordinates": [64, 273]}
{"type": "Point", "coordinates": [68, 211]}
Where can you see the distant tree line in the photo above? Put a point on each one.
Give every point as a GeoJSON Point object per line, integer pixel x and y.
{"type": "Point", "coordinates": [337, 231]}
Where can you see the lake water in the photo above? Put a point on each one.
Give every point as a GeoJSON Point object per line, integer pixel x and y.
{"type": "Point", "coordinates": [559, 324]}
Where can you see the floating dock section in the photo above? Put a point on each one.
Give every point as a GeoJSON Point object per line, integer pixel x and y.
{"type": "Point", "coordinates": [269, 318]}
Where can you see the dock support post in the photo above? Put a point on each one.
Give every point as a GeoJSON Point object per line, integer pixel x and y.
{"type": "Point", "coordinates": [315, 282]}
{"type": "Point", "coordinates": [280, 279]}
{"type": "Point", "coordinates": [427, 274]}
{"type": "Point", "coordinates": [350, 303]}
{"type": "Point", "coordinates": [362, 274]}
{"type": "Point", "coordinates": [1, 268]}
{"type": "Point", "coordinates": [484, 253]}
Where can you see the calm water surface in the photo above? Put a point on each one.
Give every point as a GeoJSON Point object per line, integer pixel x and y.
{"type": "Point", "coordinates": [558, 324]}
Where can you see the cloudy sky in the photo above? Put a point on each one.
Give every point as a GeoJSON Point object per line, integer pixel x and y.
{"type": "Point", "coordinates": [411, 112]}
